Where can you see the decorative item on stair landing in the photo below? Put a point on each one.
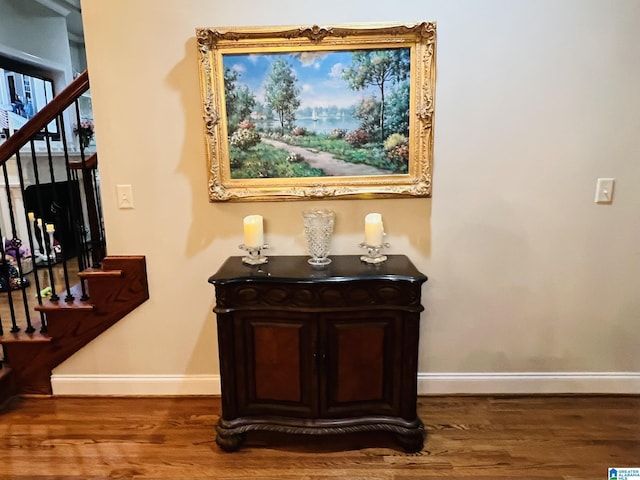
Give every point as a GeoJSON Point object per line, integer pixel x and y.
{"type": "Point", "coordinates": [14, 261]}
{"type": "Point", "coordinates": [45, 247]}
{"type": "Point", "coordinates": [85, 132]}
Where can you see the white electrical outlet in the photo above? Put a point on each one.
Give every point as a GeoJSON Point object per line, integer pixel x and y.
{"type": "Point", "coordinates": [125, 196]}
{"type": "Point", "coordinates": [604, 190]}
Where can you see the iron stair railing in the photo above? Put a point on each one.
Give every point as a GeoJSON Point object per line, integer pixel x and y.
{"type": "Point", "coordinates": [50, 211]}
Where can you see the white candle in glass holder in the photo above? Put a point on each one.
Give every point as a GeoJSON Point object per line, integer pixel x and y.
{"type": "Point", "coordinates": [373, 229]}
{"type": "Point", "coordinates": [253, 231]}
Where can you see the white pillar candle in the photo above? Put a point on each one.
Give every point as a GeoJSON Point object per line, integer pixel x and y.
{"type": "Point", "coordinates": [373, 229]}
{"type": "Point", "coordinates": [253, 232]}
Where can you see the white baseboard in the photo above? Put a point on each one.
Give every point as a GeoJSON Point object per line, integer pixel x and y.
{"type": "Point", "coordinates": [133, 385]}
{"type": "Point", "coordinates": [428, 383]}
{"type": "Point", "coordinates": [529, 383]}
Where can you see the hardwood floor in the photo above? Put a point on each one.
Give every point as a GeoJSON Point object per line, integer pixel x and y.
{"type": "Point", "coordinates": [479, 437]}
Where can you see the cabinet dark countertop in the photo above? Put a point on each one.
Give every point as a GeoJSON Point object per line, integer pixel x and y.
{"type": "Point", "coordinates": [296, 269]}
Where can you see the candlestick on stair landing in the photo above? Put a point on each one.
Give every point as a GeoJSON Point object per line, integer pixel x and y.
{"type": "Point", "coordinates": [50, 231]}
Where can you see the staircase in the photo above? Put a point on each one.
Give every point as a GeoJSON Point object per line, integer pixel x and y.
{"type": "Point", "coordinates": [115, 289]}
{"type": "Point", "coordinates": [108, 287]}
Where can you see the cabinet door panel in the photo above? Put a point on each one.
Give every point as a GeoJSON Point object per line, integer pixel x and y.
{"type": "Point", "coordinates": [277, 362]}
{"type": "Point", "coordinates": [274, 374]}
{"type": "Point", "coordinates": [359, 365]}
{"type": "Point", "coordinates": [362, 363]}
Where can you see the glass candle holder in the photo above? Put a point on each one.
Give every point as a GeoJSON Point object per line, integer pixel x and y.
{"type": "Point", "coordinates": [318, 228]}
{"type": "Point", "coordinates": [373, 255]}
{"type": "Point", "coordinates": [255, 256]}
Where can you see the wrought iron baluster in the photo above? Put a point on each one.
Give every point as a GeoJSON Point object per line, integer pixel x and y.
{"type": "Point", "coordinates": [16, 245]}
{"type": "Point", "coordinates": [31, 234]}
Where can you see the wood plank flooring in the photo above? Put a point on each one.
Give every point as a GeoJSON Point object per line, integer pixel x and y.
{"type": "Point", "coordinates": [478, 437]}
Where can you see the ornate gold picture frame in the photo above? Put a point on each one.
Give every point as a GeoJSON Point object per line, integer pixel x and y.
{"type": "Point", "coordinates": [318, 112]}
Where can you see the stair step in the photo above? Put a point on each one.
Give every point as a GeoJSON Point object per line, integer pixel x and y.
{"type": "Point", "coordinates": [77, 304]}
{"type": "Point", "coordinates": [22, 336]}
{"type": "Point", "coordinates": [62, 304]}
{"type": "Point", "coordinates": [18, 337]}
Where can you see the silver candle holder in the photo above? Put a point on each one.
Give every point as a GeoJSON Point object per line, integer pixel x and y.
{"type": "Point", "coordinates": [373, 255]}
{"type": "Point", "coordinates": [255, 256]}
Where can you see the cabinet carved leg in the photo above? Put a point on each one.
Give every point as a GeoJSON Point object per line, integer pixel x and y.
{"type": "Point", "coordinates": [411, 442]}
{"type": "Point", "coordinates": [230, 443]}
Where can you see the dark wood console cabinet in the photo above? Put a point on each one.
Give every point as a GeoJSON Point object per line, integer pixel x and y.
{"type": "Point", "coordinates": [311, 351]}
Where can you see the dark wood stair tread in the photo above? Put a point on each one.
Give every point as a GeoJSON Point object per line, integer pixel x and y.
{"type": "Point", "coordinates": [62, 304]}
{"type": "Point", "coordinates": [100, 273]}
{"type": "Point", "coordinates": [19, 337]}
{"type": "Point", "coordinates": [23, 336]}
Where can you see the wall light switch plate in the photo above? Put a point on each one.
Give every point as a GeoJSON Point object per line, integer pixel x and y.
{"type": "Point", "coordinates": [604, 190]}
{"type": "Point", "coordinates": [125, 196]}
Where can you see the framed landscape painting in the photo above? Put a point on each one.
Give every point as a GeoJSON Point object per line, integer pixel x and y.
{"type": "Point", "coordinates": [318, 112]}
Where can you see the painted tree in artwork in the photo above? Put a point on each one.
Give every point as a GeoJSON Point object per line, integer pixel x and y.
{"type": "Point", "coordinates": [281, 92]}
{"type": "Point", "coordinates": [239, 100]}
{"type": "Point", "coordinates": [378, 68]}
{"type": "Point", "coordinates": [398, 109]}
